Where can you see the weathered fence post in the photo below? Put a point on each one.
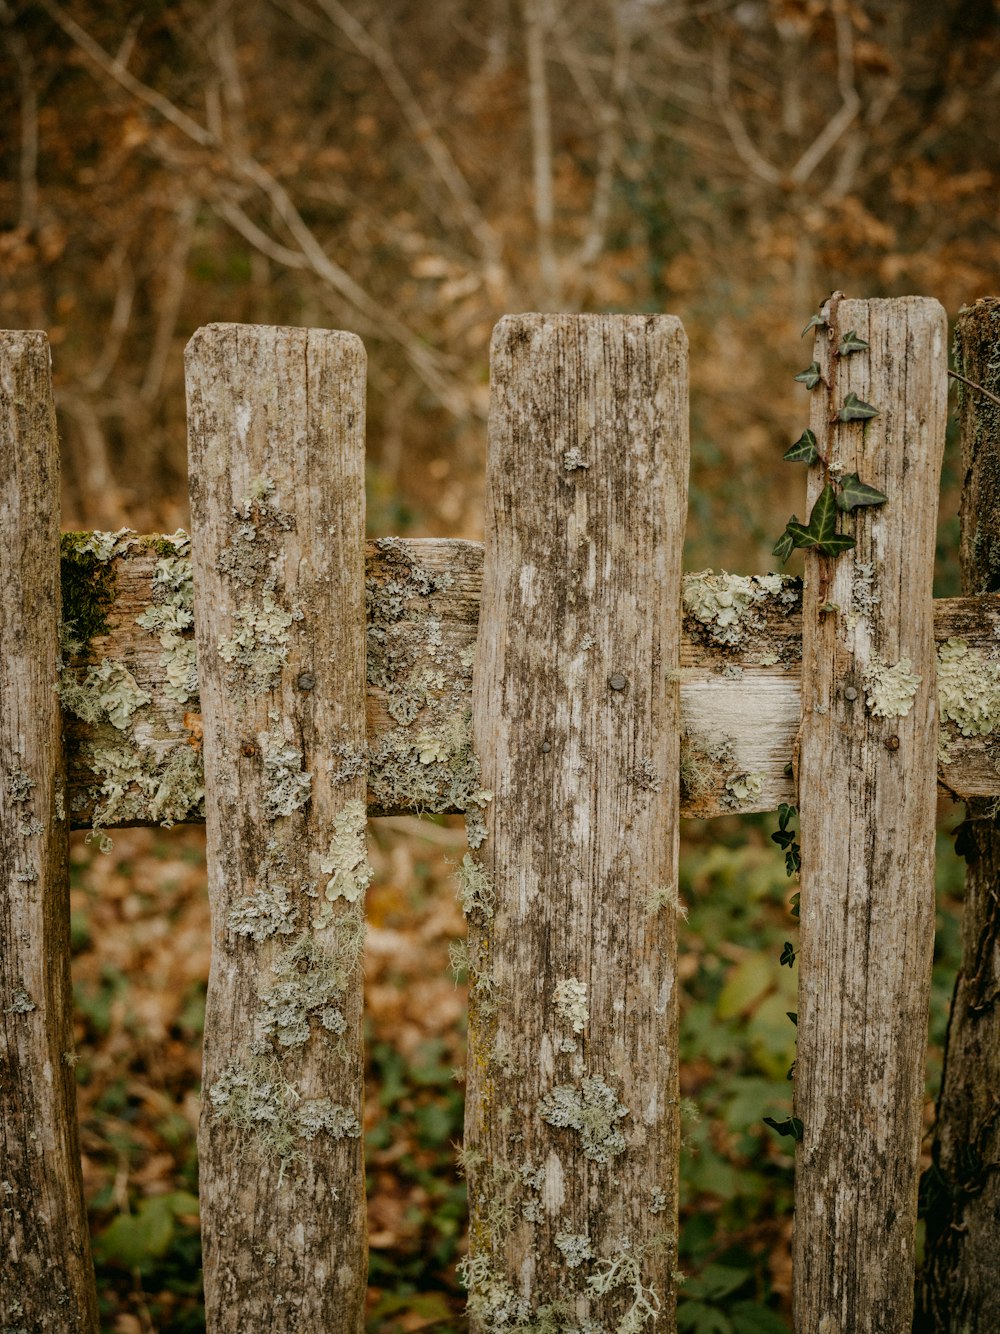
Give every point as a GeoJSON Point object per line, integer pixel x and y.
{"type": "Point", "coordinates": [961, 1281]}
{"type": "Point", "coordinates": [46, 1275]}
{"type": "Point", "coordinates": [867, 796]}
{"type": "Point", "coordinates": [277, 492]}
{"type": "Point", "coordinates": [571, 1124]}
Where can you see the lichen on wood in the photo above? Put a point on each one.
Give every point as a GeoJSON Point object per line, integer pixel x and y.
{"type": "Point", "coordinates": [277, 482]}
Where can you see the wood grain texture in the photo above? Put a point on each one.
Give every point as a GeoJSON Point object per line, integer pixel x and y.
{"type": "Point", "coordinates": [572, 1127]}
{"type": "Point", "coordinates": [276, 419]}
{"type": "Point", "coordinates": [421, 637]}
{"type": "Point", "coordinates": [46, 1273]}
{"type": "Point", "coordinates": [866, 798]}
{"type": "Point", "coordinates": [960, 1286]}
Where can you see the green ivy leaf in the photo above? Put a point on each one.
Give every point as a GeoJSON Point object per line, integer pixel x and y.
{"type": "Point", "coordinates": [851, 343]}
{"type": "Point", "coordinates": [855, 493]}
{"type": "Point", "coordinates": [787, 955]}
{"type": "Point", "coordinates": [804, 450]}
{"type": "Point", "coordinates": [793, 864]}
{"type": "Point", "coordinates": [817, 322]}
{"type": "Point", "coordinates": [783, 547]}
{"type": "Point", "coordinates": [854, 410]}
{"type": "Point", "coordinates": [785, 813]}
{"type": "Point", "coordinates": [823, 519]}
{"type": "Point", "coordinates": [800, 534]}
{"type": "Point", "coordinates": [793, 906]}
{"type": "Point", "coordinates": [793, 1126]}
{"type": "Point", "coordinates": [835, 546]}
{"type": "Point", "coordinates": [793, 1015]}
{"type": "Point", "coordinates": [810, 377]}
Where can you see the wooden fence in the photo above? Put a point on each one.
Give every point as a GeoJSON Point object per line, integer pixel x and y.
{"type": "Point", "coordinates": [569, 690]}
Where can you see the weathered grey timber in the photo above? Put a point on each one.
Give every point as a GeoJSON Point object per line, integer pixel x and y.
{"type": "Point", "coordinates": [741, 651]}
{"type": "Point", "coordinates": [276, 420]}
{"type": "Point", "coordinates": [46, 1274]}
{"type": "Point", "coordinates": [572, 1117]}
{"type": "Point", "coordinates": [866, 791]}
{"type": "Point", "coordinates": [960, 1288]}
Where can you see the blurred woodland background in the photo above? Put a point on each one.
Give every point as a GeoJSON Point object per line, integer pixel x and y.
{"type": "Point", "coordinates": [412, 171]}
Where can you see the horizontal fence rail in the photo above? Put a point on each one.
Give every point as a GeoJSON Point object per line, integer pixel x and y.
{"type": "Point", "coordinates": [137, 760]}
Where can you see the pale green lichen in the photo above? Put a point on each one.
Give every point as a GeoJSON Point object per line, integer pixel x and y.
{"type": "Point", "coordinates": [287, 787]}
{"type": "Point", "coordinates": [346, 862]}
{"type": "Point", "coordinates": [259, 648]}
{"type": "Point", "coordinates": [171, 618]}
{"type": "Point", "coordinates": [743, 788]}
{"type": "Point", "coordinates": [266, 912]}
{"type": "Point", "coordinates": [137, 787]}
{"type": "Point", "coordinates": [705, 763]}
{"type": "Point", "coordinates": [570, 1002]}
{"type": "Point", "coordinates": [107, 693]}
{"type": "Point", "coordinates": [19, 785]}
{"type": "Point", "coordinates": [314, 973]}
{"type": "Point", "coordinates": [575, 1247]}
{"type": "Point", "coordinates": [968, 686]}
{"type": "Point", "coordinates": [258, 1102]}
{"type": "Point", "coordinates": [727, 606]}
{"type": "Point", "coordinates": [21, 1003]}
{"type": "Point", "coordinates": [249, 558]}
{"type": "Point", "coordinates": [623, 1269]}
{"type": "Point", "coordinates": [475, 889]}
{"type": "Point", "coordinates": [593, 1110]}
{"type": "Point", "coordinates": [890, 690]}
{"type": "Point", "coordinates": [664, 896]}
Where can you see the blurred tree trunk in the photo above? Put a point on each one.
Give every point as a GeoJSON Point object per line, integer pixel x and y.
{"type": "Point", "coordinates": [960, 1288]}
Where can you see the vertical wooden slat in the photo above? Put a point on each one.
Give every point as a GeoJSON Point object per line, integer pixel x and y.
{"type": "Point", "coordinates": [46, 1274]}
{"type": "Point", "coordinates": [277, 495]}
{"type": "Point", "coordinates": [961, 1281]}
{"type": "Point", "coordinates": [571, 1124]}
{"type": "Point", "coordinates": [867, 793]}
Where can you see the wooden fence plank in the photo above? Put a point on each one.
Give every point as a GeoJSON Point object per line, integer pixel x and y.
{"type": "Point", "coordinates": [571, 1121]}
{"type": "Point", "coordinates": [46, 1274]}
{"type": "Point", "coordinates": [866, 790]}
{"type": "Point", "coordinates": [277, 492]}
{"type": "Point", "coordinates": [741, 651]}
{"type": "Point", "coordinates": [961, 1279]}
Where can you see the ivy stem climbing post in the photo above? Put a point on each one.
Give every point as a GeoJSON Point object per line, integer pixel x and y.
{"type": "Point", "coordinates": [866, 778]}
{"type": "Point", "coordinates": [572, 1117]}
{"type": "Point", "coordinates": [46, 1274]}
{"type": "Point", "coordinates": [276, 419]}
{"type": "Point", "coordinates": [961, 1280]}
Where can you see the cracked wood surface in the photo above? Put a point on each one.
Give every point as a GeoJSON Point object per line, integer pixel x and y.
{"type": "Point", "coordinates": [276, 422]}
{"type": "Point", "coordinates": [46, 1273]}
{"type": "Point", "coordinates": [572, 1127]}
{"type": "Point", "coordinates": [866, 813]}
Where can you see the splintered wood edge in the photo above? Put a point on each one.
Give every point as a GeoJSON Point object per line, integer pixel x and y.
{"type": "Point", "coordinates": [739, 688]}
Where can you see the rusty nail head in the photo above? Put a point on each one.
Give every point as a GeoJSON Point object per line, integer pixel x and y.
{"type": "Point", "coordinates": [892, 743]}
{"type": "Point", "coordinates": [306, 681]}
{"type": "Point", "coordinates": [618, 682]}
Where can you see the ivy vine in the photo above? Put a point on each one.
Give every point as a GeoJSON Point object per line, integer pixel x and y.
{"type": "Point", "coordinates": [840, 494]}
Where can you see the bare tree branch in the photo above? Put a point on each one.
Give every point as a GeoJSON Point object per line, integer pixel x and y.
{"type": "Point", "coordinates": [745, 148]}
{"type": "Point", "coordinates": [175, 274]}
{"type": "Point", "coordinates": [424, 360]}
{"type": "Point", "coordinates": [541, 152]}
{"type": "Point", "coordinates": [423, 130]}
{"type": "Point", "coordinates": [28, 173]}
{"type": "Point", "coordinates": [121, 313]}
